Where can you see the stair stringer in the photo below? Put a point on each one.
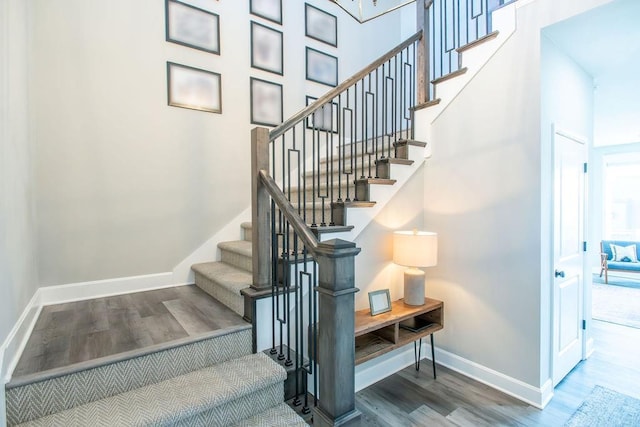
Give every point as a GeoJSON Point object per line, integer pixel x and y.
{"type": "Point", "coordinates": [473, 59]}
{"type": "Point", "coordinates": [359, 218]}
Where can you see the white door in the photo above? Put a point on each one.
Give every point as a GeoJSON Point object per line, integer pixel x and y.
{"type": "Point", "coordinates": [569, 255]}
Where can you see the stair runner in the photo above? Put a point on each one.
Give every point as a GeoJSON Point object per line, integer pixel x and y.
{"type": "Point", "coordinates": [214, 381]}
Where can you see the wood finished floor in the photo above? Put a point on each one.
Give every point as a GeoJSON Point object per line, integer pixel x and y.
{"type": "Point", "coordinates": [410, 398]}
{"type": "Point", "coordinates": [75, 332]}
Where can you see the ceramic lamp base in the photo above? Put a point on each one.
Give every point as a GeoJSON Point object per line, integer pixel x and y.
{"type": "Point", "coordinates": [414, 286]}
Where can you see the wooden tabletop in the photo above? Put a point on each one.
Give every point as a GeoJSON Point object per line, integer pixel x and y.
{"type": "Point", "coordinates": [365, 322]}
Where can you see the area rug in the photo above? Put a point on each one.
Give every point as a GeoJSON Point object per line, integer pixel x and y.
{"type": "Point", "coordinates": [606, 408]}
{"type": "Point", "coordinates": [616, 304]}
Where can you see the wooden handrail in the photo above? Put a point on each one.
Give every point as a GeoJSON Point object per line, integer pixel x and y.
{"type": "Point", "coordinates": [316, 105]}
{"type": "Point", "coordinates": [289, 212]}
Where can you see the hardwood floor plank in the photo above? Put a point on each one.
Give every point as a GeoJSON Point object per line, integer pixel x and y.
{"type": "Point", "coordinates": [464, 402]}
{"type": "Point", "coordinates": [425, 416]}
{"type": "Point", "coordinates": [83, 330]}
{"type": "Point", "coordinates": [189, 317]}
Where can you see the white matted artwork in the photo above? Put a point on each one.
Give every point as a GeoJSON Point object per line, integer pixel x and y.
{"type": "Point", "coordinates": [191, 26]}
{"type": "Point", "coordinates": [266, 48]}
{"type": "Point", "coordinates": [321, 25]}
{"type": "Point", "coordinates": [194, 88]}
{"type": "Point", "coordinates": [268, 9]}
{"type": "Point", "coordinates": [321, 67]}
{"type": "Point", "coordinates": [266, 102]}
{"type": "Point", "coordinates": [325, 118]}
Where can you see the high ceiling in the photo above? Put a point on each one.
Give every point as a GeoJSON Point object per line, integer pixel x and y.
{"type": "Point", "coordinates": [604, 40]}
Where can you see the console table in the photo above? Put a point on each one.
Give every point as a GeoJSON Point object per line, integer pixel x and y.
{"type": "Point", "coordinates": [377, 335]}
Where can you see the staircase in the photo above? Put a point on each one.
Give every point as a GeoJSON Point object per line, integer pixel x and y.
{"type": "Point", "coordinates": [334, 185]}
{"type": "Point", "coordinates": [212, 381]}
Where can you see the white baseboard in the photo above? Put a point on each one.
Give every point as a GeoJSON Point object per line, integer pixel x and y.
{"type": "Point", "coordinates": [381, 367]}
{"type": "Point", "coordinates": [103, 288]}
{"type": "Point", "coordinates": [12, 347]}
{"type": "Point", "coordinates": [534, 396]}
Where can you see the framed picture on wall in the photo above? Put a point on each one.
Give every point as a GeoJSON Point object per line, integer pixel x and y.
{"type": "Point", "coordinates": [321, 67]}
{"type": "Point", "coordinates": [325, 118]}
{"type": "Point", "coordinates": [267, 9]}
{"type": "Point", "coordinates": [320, 25]}
{"type": "Point", "coordinates": [193, 88]}
{"type": "Point", "coordinates": [266, 102]}
{"type": "Point", "coordinates": [266, 48]}
{"type": "Point", "coordinates": [191, 26]}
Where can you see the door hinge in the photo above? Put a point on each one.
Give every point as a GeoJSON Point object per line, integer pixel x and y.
{"type": "Point", "coordinates": [584, 325]}
{"type": "Point", "coordinates": [584, 246]}
{"type": "Point", "coordinates": [585, 168]}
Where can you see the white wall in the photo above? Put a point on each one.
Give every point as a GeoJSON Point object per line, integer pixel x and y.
{"type": "Point", "coordinates": [617, 108]}
{"type": "Point", "coordinates": [374, 266]}
{"type": "Point", "coordinates": [125, 184]}
{"type": "Point", "coordinates": [18, 278]}
{"type": "Point", "coordinates": [485, 188]}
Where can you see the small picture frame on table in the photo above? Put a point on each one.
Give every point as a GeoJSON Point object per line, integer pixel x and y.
{"type": "Point", "coordinates": [379, 301]}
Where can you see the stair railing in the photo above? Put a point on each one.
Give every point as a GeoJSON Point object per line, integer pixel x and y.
{"type": "Point", "coordinates": [312, 294]}
{"type": "Point", "coordinates": [308, 169]}
{"type": "Point", "coordinates": [451, 24]}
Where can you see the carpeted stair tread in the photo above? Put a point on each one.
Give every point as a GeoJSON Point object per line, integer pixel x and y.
{"type": "Point", "coordinates": [240, 247]}
{"type": "Point", "coordinates": [28, 400]}
{"type": "Point", "coordinates": [225, 275]}
{"type": "Point", "coordinates": [278, 416]}
{"type": "Point", "coordinates": [175, 399]}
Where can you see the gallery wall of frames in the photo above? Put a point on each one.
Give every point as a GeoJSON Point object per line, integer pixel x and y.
{"type": "Point", "coordinates": [201, 89]}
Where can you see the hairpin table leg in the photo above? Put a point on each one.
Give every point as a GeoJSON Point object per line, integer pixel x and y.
{"type": "Point", "coordinates": [433, 357]}
{"type": "Point", "coordinates": [417, 349]}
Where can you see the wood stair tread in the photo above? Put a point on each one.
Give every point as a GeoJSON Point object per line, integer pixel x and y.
{"type": "Point", "coordinates": [492, 35]}
{"type": "Point", "coordinates": [449, 76]}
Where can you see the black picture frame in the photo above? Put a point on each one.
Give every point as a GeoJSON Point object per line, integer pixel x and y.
{"type": "Point", "coordinates": [321, 67]}
{"type": "Point", "coordinates": [320, 25]}
{"type": "Point", "coordinates": [266, 102]}
{"type": "Point", "coordinates": [379, 302]}
{"type": "Point", "coordinates": [191, 26]}
{"type": "Point", "coordinates": [324, 119]}
{"type": "Point", "coordinates": [267, 48]}
{"type": "Point", "coordinates": [267, 9]}
{"type": "Point", "coordinates": [194, 88]}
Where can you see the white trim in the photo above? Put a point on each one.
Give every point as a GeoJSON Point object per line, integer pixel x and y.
{"type": "Point", "coordinates": [534, 396]}
{"type": "Point", "coordinates": [104, 288]}
{"type": "Point", "coordinates": [381, 367]}
{"type": "Point", "coordinates": [12, 348]}
{"type": "Point", "coordinates": [15, 342]}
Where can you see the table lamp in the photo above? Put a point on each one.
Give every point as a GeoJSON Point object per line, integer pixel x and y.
{"type": "Point", "coordinates": [415, 249]}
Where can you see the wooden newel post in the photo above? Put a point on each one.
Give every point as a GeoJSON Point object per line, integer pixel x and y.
{"type": "Point", "coordinates": [422, 59]}
{"type": "Point", "coordinates": [260, 210]}
{"type": "Point", "coordinates": [336, 336]}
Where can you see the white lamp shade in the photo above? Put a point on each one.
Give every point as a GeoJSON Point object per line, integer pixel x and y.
{"type": "Point", "coordinates": [415, 248]}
